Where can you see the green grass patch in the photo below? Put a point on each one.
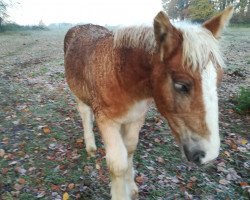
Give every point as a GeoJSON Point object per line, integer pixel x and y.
{"type": "Point", "coordinates": [243, 101]}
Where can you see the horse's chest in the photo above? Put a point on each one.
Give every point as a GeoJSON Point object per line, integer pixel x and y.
{"type": "Point", "coordinates": [135, 112]}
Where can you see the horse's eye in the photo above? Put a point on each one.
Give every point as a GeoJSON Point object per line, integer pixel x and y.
{"type": "Point", "coordinates": [182, 87]}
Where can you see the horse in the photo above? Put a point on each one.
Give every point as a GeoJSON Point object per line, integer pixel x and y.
{"type": "Point", "coordinates": [115, 75]}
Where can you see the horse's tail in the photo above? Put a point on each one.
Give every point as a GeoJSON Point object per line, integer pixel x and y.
{"type": "Point", "coordinates": [94, 31]}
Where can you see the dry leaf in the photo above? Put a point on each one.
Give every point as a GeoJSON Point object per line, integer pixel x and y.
{"type": "Point", "coordinates": [79, 143]}
{"type": "Point", "coordinates": [97, 166]}
{"type": "Point", "coordinates": [71, 186]}
{"type": "Point", "coordinates": [12, 163]}
{"type": "Point", "coordinates": [2, 152]}
{"type": "Point", "coordinates": [5, 140]}
{"type": "Point", "coordinates": [65, 196]}
{"type": "Point", "coordinates": [46, 130]}
{"type": "Point", "coordinates": [139, 179]}
{"type": "Point", "coordinates": [20, 170]}
{"type": "Point", "coordinates": [193, 179]}
{"type": "Point", "coordinates": [244, 141]}
{"type": "Point", "coordinates": [18, 187]}
{"type": "Point", "coordinates": [157, 140]}
{"type": "Point", "coordinates": [224, 182]}
{"type": "Point", "coordinates": [160, 159]}
{"type": "Point", "coordinates": [5, 170]}
{"type": "Point", "coordinates": [150, 168]}
{"type": "Point", "coordinates": [227, 153]}
{"type": "Point", "coordinates": [41, 194]}
{"type": "Point", "coordinates": [55, 187]}
{"type": "Point", "coordinates": [243, 184]}
{"type": "Point", "coordinates": [21, 181]}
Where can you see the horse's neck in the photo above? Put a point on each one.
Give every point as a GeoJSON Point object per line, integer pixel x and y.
{"type": "Point", "coordinates": [134, 70]}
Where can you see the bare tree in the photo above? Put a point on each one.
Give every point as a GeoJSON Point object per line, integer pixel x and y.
{"type": "Point", "coordinates": [3, 11]}
{"type": "Point", "coordinates": [4, 5]}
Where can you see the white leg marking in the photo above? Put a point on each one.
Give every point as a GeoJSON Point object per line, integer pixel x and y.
{"type": "Point", "coordinates": [131, 137]}
{"type": "Point", "coordinates": [210, 98]}
{"type": "Point", "coordinates": [87, 121]}
{"type": "Point", "coordinates": [117, 159]}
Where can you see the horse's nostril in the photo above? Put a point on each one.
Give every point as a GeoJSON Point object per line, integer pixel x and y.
{"type": "Point", "coordinates": [197, 156]}
{"type": "Point", "coordinates": [194, 155]}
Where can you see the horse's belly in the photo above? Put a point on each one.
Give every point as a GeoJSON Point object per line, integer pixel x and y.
{"type": "Point", "coordinates": [135, 112]}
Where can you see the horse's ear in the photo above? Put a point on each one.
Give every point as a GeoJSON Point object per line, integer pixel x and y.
{"type": "Point", "coordinates": [218, 22]}
{"type": "Point", "coordinates": [164, 33]}
{"type": "Point", "coordinates": [162, 27]}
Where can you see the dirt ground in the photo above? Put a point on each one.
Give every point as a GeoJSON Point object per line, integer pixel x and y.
{"type": "Point", "coordinates": [42, 153]}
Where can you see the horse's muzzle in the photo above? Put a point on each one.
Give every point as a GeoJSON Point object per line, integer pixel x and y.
{"type": "Point", "coordinates": [194, 155]}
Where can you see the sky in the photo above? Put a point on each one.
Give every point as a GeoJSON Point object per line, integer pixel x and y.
{"type": "Point", "coordinates": [102, 12]}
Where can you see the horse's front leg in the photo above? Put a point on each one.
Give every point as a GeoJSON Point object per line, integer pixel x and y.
{"type": "Point", "coordinates": [116, 157]}
{"type": "Point", "coordinates": [130, 133]}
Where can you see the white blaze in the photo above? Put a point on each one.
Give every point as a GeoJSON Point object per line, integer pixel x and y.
{"type": "Point", "coordinates": [210, 99]}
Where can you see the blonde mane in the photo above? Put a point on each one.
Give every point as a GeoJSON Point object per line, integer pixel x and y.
{"type": "Point", "coordinates": [199, 45]}
{"type": "Point", "coordinates": [135, 37]}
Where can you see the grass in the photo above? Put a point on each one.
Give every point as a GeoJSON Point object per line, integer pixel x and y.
{"type": "Point", "coordinates": [243, 101]}
{"type": "Point", "coordinates": [29, 106]}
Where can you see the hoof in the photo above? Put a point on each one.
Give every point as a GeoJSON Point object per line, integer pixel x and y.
{"type": "Point", "coordinates": [91, 150]}
{"type": "Point", "coordinates": [134, 192]}
{"type": "Point", "coordinates": [134, 195]}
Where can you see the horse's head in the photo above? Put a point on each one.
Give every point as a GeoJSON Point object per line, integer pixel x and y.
{"type": "Point", "coordinates": [185, 79]}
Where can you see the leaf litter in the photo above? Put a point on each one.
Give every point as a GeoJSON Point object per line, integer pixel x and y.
{"type": "Point", "coordinates": [42, 151]}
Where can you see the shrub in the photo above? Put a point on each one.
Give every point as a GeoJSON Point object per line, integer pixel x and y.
{"type": "Point", "coordinates": [243, 101]}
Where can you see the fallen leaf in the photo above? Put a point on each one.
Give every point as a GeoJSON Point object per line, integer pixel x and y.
{"type": "Point", "coordinates": [20, 170]}
{"type": "Point", "coordinates": [157, 140]}
{"type": "Point", "coordinates": [79, 143]}
{"type": "Point", "coordinates": [63, 187]}
{"type": "Point", "coordinates": [224, 182]}
{"type": "Point", "coordinates": [150, 168]}
{"type": "Point", "coordinates": [55, 187]}
{"type": "Point", "coordinates": [244, 141]}
{"type": "Point", "coordinates": [139, 179]}
{"type": "Point", "coordinates": [5, 171]}
{"type": "Point", "coordinates": [5, 140]}
{"type": "Point", "coordinates": [12, 163]}
{"type": "Point", "coordinates": [78, 196]}
{"type": "Point", "coordinates": [21, 153]}
{"type": "Point", "coordinates": [21, 181]}
{"type": "Point", "coordinates": [243, 184]}
{"type": "Point", "coordinates": [226, 153]}
{"type": "Point", "coordinates": [18, 187]}
{"type": "Point", "coordinates": [188, 196]}
{"type": "Point", "coordinates": [41, 194]}
{"type": "Point", "coordinates": [31, 169]}
{"type": "Point", "coordinates": [232, 175]}
{"type": "Point", "coordinates": [160, 159]}
{"type": "Point", "coordinates": [65, 196]}
{"type": "Point", "coordinates": [175, 180]}
{"type": "Point", "coordinates": [2, 152]}
{"type": "Point", "coordinates": [97, 166]}
{"type": "Point", "coordinates": [242, 149]}
{"type": "Point", "coordinates": [15, 193]}
{"type": "Point", "coordinates": [88, 169]}
{"type": "Point", "coordinates": [71, 186]}
{"type": "Point", "coordinates": [46, 130]}
{"type": "Point", "coordinates": [193, 179]}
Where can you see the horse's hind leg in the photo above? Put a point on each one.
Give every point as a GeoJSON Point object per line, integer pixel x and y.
{"type": "Point", "coordinates": [87, 121]}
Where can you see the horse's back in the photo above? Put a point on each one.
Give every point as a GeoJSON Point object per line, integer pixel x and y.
{"type": "Point", "coordinates": [89, 33]}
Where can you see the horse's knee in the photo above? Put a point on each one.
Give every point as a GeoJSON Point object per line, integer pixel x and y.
{"type": "Point", "coordinates": [117, 161]}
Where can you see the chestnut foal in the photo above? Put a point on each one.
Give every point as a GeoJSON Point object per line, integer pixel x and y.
{"type": "Point", "coordinates": [114, 76]}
